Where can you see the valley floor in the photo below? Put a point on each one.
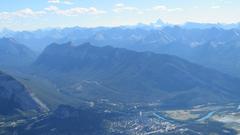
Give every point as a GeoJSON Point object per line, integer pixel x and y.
{"type": "Point", "coordinates": [136, 119]}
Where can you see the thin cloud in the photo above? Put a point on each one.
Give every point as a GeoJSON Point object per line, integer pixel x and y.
{"type": "Point", "coordinates": [75, 11]}
{"type": "Point", "coordinates": [23, 13]}
{"type": "Point", "coordinates": [54, 1]}
{"type": "Point", "coordinates": [120, 8]}
{"type": "Point", "coordinates": [30, 13]}
{"type": "Point", "coordinates": [165, 8]}
{"type": "Point", "coordinates": [67, 2]}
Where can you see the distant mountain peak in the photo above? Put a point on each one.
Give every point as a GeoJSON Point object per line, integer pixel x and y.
{"type": "Point", "coordinates": [68, 44]}
{"type": "Point", "coordinates": [86, 44]}
{"type": "Point", "coordinates": [13, 53]}
{"type": "Point", "coordinates": [197, 25]}
{"type": "Point", "coordinates": [158, 23]}
{"type": "Point", "coordinates": [7, 39]}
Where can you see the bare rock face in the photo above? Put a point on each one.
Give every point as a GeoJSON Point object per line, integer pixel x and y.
{"type": "Point", "coordinates": [14, 96]}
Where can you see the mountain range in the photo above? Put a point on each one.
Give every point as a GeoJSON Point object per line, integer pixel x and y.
{"type": "Point", "coordinates": [14, 54]}
{"type": "Point", "coordinates": [203, 45]}
{"type": "Point", "coordinates": [122, 75]}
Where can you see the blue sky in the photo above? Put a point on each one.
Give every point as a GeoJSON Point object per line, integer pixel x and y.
{"type": "Point", "coordinates": [35, 14]}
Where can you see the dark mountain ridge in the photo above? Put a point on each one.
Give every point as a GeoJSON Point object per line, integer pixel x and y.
{"type": "Point", "coordinates": [204, 46]}
{"type": "Point", "coordinates": [14, 97]}
{"type": "Point", "coordinates": [124, 75]}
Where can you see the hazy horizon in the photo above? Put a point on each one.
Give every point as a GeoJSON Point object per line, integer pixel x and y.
{"type": "Point", "coordinates": [127, 25]}
{"type": "Point", "coordinates": [29, 15]}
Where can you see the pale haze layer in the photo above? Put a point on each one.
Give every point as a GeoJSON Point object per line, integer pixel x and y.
{"type": "Point", "coordinates": [29, 14]}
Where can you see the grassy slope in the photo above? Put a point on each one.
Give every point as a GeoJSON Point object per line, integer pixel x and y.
{"type": "Point", "coordinates": [45, 90]}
